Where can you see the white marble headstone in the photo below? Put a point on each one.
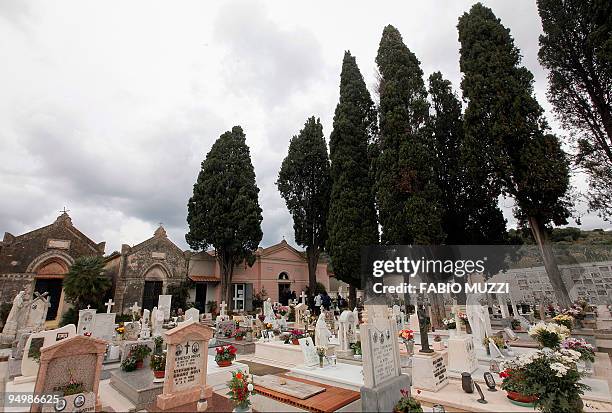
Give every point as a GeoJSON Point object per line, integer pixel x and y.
{"type": "Point", "coordinates": [104, 326]}
{"type": "Point", "coordinates": [311, 358]}
{"type": "Point", "coordinates": [29, 366]}
{"type": "Point", "coordinates": [164, 303]}
{"type": "Point", "coordinates": [86, 321]}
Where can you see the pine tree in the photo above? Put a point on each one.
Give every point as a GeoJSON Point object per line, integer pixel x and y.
{"type": "Point", "coordinates": [352, 216]}
{"type": "Point", "coordinates": [86, 282]}
{"type": "Point", "coordinates": [224, 210]}
{"type": "Point", "coordinates": [407, 194]}
{"type": "Point", "coordinates": [304, 184]}
{"type": "Point", "coordinates": [576, 48]}
{"type": "Point", "coordinates": [520, 158]}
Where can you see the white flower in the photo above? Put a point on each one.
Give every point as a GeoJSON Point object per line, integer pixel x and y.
{"type": "Point", "coordinates": [250, 387]}
{"type": "Point", "coordinates": [560, 369]}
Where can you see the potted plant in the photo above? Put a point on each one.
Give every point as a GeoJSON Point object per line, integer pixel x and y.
{"type": "Point", "coordinates": [549, 334]}
{"type": "Point", "coordinates": [239, 334]}
{"type": "Point", "coordinates": [128, 364]}
{"type": "Point", "coordinates": [450, 323]}
{"type": "Point", "coordinates": [437, 343]}
{"type": "Point", "coordinates": [515, 324]}
{"type": "Point", "coordinates": [240, 388]}
{"type": "Point", "coordinates": [357, 350]}
{"type": "Point", "coordinates": [464, 320]}
{"type": "Point", "coordinates": [547, 379]}
{"type": "Point", "coordinates": [225, 355]}
{"type": "Point", "coordinates": [139, 352]}
{"type": "Point", "coordinates": [586, 350]}
{"type": "Point", "coordinates": [407, 404]}
{"type": "Point", "coordinates": [158, 365]}
{"type": "Point", "coordinates": [564, 320]}
{"type": "Point", "coordinates": [159, 343]}
{"type": "Point", "coordinates": [407, 337]}
{"type": "Point", "coordinates": [295, 336]}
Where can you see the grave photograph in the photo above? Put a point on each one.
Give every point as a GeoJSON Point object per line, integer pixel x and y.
{"type": "Point", "coordinates": [268, 206]}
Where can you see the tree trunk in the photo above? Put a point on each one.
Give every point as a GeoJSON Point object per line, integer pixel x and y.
{"type": "Point", "coordinates": [313, 259]}
{"type": "Point", "coordinates": [352, 298]}
{"type": "Point", "coordinates": [554, 275]}
{"type": "Point", "coordinates": [226, 264]}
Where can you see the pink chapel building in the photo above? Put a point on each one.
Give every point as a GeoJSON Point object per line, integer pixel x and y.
{"type": "Point", "coordinates": [276, 268]}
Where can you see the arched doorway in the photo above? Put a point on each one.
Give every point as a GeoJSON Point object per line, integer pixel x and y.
{"type": "Point", "coordinates": [153, 286]}
{"type": "Point", "coordinates": [49, 278]}
{"type": "Point", "coordinates": [284, 288]}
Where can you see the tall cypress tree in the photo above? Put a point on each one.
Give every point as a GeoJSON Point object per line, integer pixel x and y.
{"type": "Point", "coordinates": [471, 212]}
{"type": "Point", "coordinates": [224, 210]}
{"type": "Point", "coordinates": [304, 183]}
{"type": "Point", "coordinates": [407, 194]}
{"type": "Point", "coordinates": [576, 48]}
{"type": "Point", "coordinates": [352, 218]}
{"type": "Point", "coordinates": [519, 155]}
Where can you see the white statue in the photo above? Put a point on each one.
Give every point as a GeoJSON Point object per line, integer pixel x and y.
{"type": "Point", "coordinates": [146, 317]}
{"type": "Point", "coordinates": [322, 332]}
{"type": "Point", "coordinates": [16, 315]}
{"type": "Point", "coordinates": [268, 312]}
{"type": "Point", "coordinates": [157, 320]}
{"type": "Point", "coordinates": [473, 310]}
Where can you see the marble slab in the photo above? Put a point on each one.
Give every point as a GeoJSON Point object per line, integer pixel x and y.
{"type": "Point", "coordinates": [289, 387]}
{"type": "Point", "coordinates": [346, 376]}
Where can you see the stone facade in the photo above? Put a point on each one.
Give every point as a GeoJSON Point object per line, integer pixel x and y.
{"type": "Point", "coordinates": [156, 263]}
{"type": "Point", "coordinates": [41, 256]}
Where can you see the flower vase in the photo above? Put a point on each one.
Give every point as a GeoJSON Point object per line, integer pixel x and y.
{"type": "Point", "coordinates": [295, 342]}
{"type": "Point", "coordinates": [139, 364]}
{"type": "Point", "coordinates": [224, 363]}
{"type": "Point", "coordinates": [238, 338]}
{"type": "Point", "coordinates": [239, 409]}
{"type": "Point", "coordinates": [409, 347]}
{"type": "Point", "coordinates": [521, 399]}
{"type": "Point", "coordinates": [321, 362]}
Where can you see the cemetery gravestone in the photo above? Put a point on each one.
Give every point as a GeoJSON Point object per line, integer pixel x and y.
{"type": "Point", "coordinates": [311, 358]}
{"type": "Point", "coordinates": [299, 316]}
{"type": "Point", "coordinates": [186, 365]}
{"type": "Point", "coordinates": [346, 333]}
{"type": "Point", "coordinates": [77, 359]}
{"type": "Point", "coordinates": [192, 314]}
{"type": "Point", "coordinates": [104, 326]}
{"type": "Point", "coordinates": [164, 303]}
{"type": "Point", "coordinates": [35, 343]}
{"type": "Point", "coordinates": [132, 330]}
{"type": "Point", "coordinates": [382, 374]}
{"type": "Point", "coordinates": [86, 322]}
{"type": "Point", "coordinates": [461, 354]}
{"type": "Point", "coordinates": [38, 313]}
{"type": "Point", "coordinates": [429, 371]}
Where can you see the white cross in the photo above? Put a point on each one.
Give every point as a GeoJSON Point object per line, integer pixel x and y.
{"type": "Point", "coordinates": [135, 308]}
{"type": "Point", "coordinates": [109, 304]}
{"type": "Point", "coordinates": [88, 306]}
{"type": "Point", "coordinates": [223, 305]}
{"type": "Point", "coordinates": [303, 297]}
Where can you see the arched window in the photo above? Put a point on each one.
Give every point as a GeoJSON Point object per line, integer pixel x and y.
{"type": "Point", "coordinates": [283, 276]}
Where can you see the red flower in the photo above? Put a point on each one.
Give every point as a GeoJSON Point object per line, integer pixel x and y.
{"type": "Point", "coordinates": [504, 374]}
{"type": "Point", "coordinates": [239, 376]}
{"type": "Point", "coordinates": [219, 350]}
{"type": "Point", "coordinates": [418, 391]}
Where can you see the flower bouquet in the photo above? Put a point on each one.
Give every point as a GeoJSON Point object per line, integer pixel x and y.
{"type": "Point", "coordinates": [407, 337]}
{"type": "Point", "coordinates": [240, 388]}
{"type": "Point", "coordinates": [321, 353]}
{"type": "Point", "coordinates": [450, 323]}
{"type": "Point", "coordinates": [158, 365]}
{"type": "Point", "coordinates": [549, 334]}
{"type": "Point", "coordinates": [295, 336]}
{"type": "Point", "coordinates": [239, 334]}
{"type": "Point", "coordinates": [546, 379]}
{"type": "Point", "coordinates": [586, 350]}
{"type": "Point", "coordinates": [564, 320]}
{"type": "Point", "coordinates": [225, 355]}
{"type": "Point", "coordinates": [283, 310]}
{"type": "Point", "coordinates": [407, 404]}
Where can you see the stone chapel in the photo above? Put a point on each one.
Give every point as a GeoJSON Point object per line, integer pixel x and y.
{"type": "Point", "coordinates": [38, 261]}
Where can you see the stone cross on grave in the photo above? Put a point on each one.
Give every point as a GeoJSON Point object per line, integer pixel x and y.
{"type": "Point", "coordinates": [303, 297]}
{"type": "Point", "coordinates": [135, 309]}
{"type": "Point", "coordinates": [109, 304]}
{"type": "Point", "coordinates": [223, 305]}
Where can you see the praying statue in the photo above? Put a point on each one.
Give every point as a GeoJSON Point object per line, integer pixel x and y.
{"type": "Point", "coordinates": [269, 312]}
{"type": "Point", "coordinates": [15, 317]}
{"type": "Point", "coordinates": [322, 332]}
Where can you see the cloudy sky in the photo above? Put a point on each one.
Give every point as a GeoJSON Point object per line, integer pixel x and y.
{"type": "Point", "coordinates": [109, 107]}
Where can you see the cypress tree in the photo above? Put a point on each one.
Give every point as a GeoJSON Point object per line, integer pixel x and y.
{"type": "Point", "coordinates": [471, 212]}
{"type": "Point", "coordinates": [352, 216]}
{"type": "Point", "coordinates": [407, 194]}
{"type": "Point", "coordinates": [224, 210]}
{"type": "Point", "coordinates": [304, 183]}
{"type": "Point", "coordinates": [521, 159]}
{"type": "Point", "coordinates": [576, 48]}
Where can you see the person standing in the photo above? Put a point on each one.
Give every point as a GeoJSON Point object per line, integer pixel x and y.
{"type": "Point", "coordinates": [318, 301]}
